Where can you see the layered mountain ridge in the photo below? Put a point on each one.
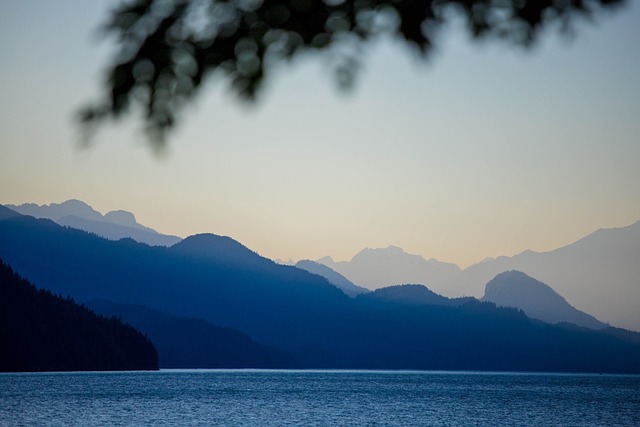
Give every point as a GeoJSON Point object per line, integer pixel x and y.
{"type": "Point", "coordinates": [598, 274]}
{"type": "Point", "coordinates": [377, 268]}
{"type": "Point", "coordinates": [220, 281]}
{"type": "Point", "coordinates": [536, 299]}
{"type": "Point", "coordinates": [332, 276]}
{"type": "Point", "coordinates": [113, 225]}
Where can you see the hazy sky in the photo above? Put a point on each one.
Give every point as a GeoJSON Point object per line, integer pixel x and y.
{"type": "Point", "coordinates": [485, 150]}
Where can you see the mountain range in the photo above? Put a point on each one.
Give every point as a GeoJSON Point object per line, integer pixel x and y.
{"type": "Point", "coordinates": [377, 268]}
{"type": "Point", "coordinates": [113, 225]}
{"type": "Point", "coordinates": [599, 274]}
{"type": "Point", "coordinates": [220, 281]}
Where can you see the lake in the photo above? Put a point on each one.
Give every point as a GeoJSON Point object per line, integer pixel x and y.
{"type": "Point", "coordinates": [263, 398]}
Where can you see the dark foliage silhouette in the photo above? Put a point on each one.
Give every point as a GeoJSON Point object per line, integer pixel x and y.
{"type": "Point", "coordinates": [168, 48]}
{"type": "Point", "coordinates": [40, 331]}
{"type": "Point", "coordinates": [219, 280]}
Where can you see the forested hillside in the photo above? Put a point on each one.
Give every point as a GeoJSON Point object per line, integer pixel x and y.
{"type": "Point", "coordinates": [40, 331]}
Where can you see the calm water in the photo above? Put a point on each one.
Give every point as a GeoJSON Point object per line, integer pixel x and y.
{"type": "Point", "coordinates": [212, 397]}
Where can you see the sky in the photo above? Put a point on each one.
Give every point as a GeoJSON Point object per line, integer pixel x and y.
{"type": "Point", "coordinates": [481, 151]}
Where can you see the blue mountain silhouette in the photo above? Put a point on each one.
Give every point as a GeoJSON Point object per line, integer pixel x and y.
{"type": "Point", "coordinates": [222, 282]}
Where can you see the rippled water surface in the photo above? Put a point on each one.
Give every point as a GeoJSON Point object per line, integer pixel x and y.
{"type": "Point", "coordinates": [223, 397]}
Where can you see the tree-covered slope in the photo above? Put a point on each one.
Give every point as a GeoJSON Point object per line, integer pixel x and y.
{"type": "Point", "coordinates": [40, 331]}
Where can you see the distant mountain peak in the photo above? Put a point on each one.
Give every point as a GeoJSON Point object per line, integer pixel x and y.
{"type": "Point", "coordinates": [391, 249]}
{"type": "Point", "coordinates": [213, 246]}
{"type": "Point", "coordinates": [413, 294]}
{"type": "Point", "coordinates": [597, 273]}
{"type": "Point", "coordinates": [538, 300]}
{"type": "Point", "coordinates": [516, 281]}
{"type": "Point", "coordinates": [121, 217]}
{"type": "Point", "coordinates": [55, 211]}
{"type": "Point", "coordinates": [393, 253]}
{"type": "Point", "coordinates": [374, 268]}
{"type": "Point", "coordinates": [326, 260]}
{"type": "Point", "coordinates": [501, 279]}
{"type": "Point", "coordinates": [114, 225]}
{"type": "Point", "coordinates": [77, 208]}
{"type": "Point", "coordinates": [72, 202]}
{"type": "Point", "coordinates": [209, 239]}
{"type": "Point", "coordinates": [389, 253]}
{"type": "Point", "coordinates": [75, 204]}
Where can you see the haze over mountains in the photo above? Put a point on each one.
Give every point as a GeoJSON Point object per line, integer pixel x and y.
{"type": "Point", "coordinates": [377, 268]}
{"type": "Point", "coordinates": [537, 300]}
{"type": "Point", "coordinates": [222, 282]}
{"type": "Point", "coordinates": [113, 225]}
{"type": "Point", "coordinates": [332, 276]}
{"type": "Point", "coordinates": [599, 274]}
